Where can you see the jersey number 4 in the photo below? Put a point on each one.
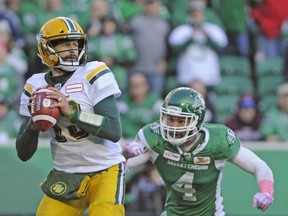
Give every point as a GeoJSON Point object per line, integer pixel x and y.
{"type": "Point", "coordinates": [185, 185]}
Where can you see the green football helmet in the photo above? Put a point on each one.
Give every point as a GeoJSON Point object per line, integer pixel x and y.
{"type": "Point", "coordinates": [187, 107]}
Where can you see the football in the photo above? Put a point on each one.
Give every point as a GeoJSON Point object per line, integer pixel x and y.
{"type": "Point", "coordinates": [42, 114]}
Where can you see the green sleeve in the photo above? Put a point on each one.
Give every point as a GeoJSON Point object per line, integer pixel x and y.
{"type": "Point", "coordinates": [110, 128]}
{"type": "Point", "coordinates": [27, 140]}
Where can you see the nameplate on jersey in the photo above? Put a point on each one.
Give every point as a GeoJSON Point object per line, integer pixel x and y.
{"type": "Point", "coordinates": [170, 155]}
{"type": "Point", "coordinates": [78, 87]}
{"type": "Point", "coordinates": [201, 160]}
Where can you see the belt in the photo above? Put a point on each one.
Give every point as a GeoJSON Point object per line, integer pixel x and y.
{"type": "Point", "coordinates": [91, 174]}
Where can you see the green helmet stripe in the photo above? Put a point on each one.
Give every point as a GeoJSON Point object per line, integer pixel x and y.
{"type": "Point", "coordinates": [70, 24]}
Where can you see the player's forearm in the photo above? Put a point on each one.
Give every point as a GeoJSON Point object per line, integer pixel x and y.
{"type": "Point", "coordinates": [251, 163]}
{"type": "Point", "coordinates": [103, 127]}
{"type": "Point", "coordinates": [136, 162]}
{"type": "Point", "coordinates": [27, 140]}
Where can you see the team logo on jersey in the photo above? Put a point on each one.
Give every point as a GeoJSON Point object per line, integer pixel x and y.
{"type": "Point", "coordinates": [231, 137]}
{"type": "Point", "coordinates": [170, 155]}
{"type": "Point", "coordinates": [58, 188]}
{"type": "Point", "coordinates": [78, 87]}
{"type": "Point", "coordinates": [201, 160]}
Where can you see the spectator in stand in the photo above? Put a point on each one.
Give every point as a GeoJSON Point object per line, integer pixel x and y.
{"type": "Point", "coordinates": [247, 119]}
{"type": "Point", "coordinates": [275, 124]}
{"type": "Point", "coordinates": [269, 16]}
{"type": "Point", "coordinates": [139, 106]}
{"type": "Point", "coordinates": [149, 32]}
{"type": "Point", "coordinates": [179, 11]}
{"type": "Point", "coordinates": [9, 122]}
{"type": "Point", "coordinates": [13, 66]}
{"type": "Point", "coordinates": [284, 31]}
{"type": "Point", "coordinates": [115, 49]}
{"type": "Point", "coordinates": [99, 9]}
{"type": "Point", "coordinates": [197, 47]}
{"type": "Point", "coordinates": [235, 17]}
{"type": "Point", "coordinates": [13, 21]}
{"type": "Point", "coordinates": [199, 86]}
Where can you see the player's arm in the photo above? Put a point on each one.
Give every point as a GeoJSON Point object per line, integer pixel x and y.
{"type": "Point", "coordinates": [27, 139]}
{"type": "Point", "coordinates": [104, 122]}
{"type": "Point", "coordinates": [250, 162]}
{"type": "Point", "coordinates": [136, 162]}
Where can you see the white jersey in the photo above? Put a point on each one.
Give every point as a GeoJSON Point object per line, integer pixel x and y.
{"type": "Point", "coordinates": [73, 149]}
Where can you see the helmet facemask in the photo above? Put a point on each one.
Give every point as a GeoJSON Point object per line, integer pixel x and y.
{"type": "Point", "coordinates": [69, 66]}
{"type": "Point", "coordinates": [180, 134]}
{"type": "Point", "coordinates": [182, 115]}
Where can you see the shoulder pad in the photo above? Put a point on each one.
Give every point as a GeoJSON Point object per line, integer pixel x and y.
{"type": "Point", "coordinates": [155, 128]}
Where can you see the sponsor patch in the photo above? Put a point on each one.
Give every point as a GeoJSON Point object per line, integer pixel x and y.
{"type": "Point", "coordinates": [201, 160]}
{"type": "Point", "coordinates": [79, 87]}
{"type": "Point", "coordinates": [171, 155]}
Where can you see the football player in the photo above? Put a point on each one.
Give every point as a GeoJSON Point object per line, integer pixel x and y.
{"type": "Point", "coordinates": [88, 169]}
{"type": "Point", "coordinates": [190, 155]}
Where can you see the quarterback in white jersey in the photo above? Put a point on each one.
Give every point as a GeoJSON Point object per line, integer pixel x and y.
{"type": "Point", "coordinates": [87, 161]}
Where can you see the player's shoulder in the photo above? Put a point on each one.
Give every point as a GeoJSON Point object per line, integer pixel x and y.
{"type": "Point", "coordinates": [220, 133]}
{"type": "Point", "coordinates": [92, 71]}
{"type": "Point", "coordinates": [152, 129]}
{"type": "Point", "coordinates": [216, 128]}
{"type": "Point", "coordinates": [36, 77]}
{"type": "Point", "coordinates": [35, 81]}
{"type": "Point", "coordinates": [150, 132]}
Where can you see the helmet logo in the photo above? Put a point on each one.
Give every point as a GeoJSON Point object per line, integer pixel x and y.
{"type": "Point", "coordinates": [51, 57]}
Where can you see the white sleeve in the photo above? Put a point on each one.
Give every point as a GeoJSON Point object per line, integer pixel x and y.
{"type": "Point", "coordinates": [250, 162]}
{"type": "Point", "coordinates": [136, 162]}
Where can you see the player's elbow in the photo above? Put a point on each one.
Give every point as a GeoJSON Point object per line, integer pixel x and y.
{"type": "Point", "coordinates": [23, 157]}
{"type": "Point", "coordinates": [116, 136]}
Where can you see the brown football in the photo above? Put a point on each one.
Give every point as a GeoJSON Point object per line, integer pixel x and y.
{"type": "Point", "coordinates": [42, 114]}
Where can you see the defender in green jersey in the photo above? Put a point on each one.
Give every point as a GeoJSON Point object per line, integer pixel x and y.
{"type": "Point", "coordinates": [190, 155]}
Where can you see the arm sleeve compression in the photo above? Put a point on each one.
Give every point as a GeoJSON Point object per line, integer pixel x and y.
{"type": "Point", "coordinates": [26, 140]}
{"type": "Point", "coordinates": [250, 162]}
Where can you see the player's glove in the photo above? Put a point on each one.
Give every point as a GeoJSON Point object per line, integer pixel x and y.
{"type": "Point", "coordinates": [262, 201]}
{"type": "Point", "coordinates": [134, 148]}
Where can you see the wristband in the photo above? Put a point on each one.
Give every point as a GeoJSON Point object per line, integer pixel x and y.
{"type": "Point", "coordinates": [266, 186]}
{"type": "Point", "coordinates": [86, 118]}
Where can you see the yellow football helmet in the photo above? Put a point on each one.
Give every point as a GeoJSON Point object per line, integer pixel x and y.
{"type": "Point", "coordinates": [61, 29]}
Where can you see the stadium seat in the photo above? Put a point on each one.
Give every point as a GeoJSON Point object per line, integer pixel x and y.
{"type": "Point", "coordinates": [270, 67]}
{"type": "Point", "coordinates": [267, 85]}
{"type": "Point", "coordinates": [234, 84]}
{"type": "Point", "coordinates": [267, 101]}
{"type": "Point", "coordinates": [225, 105]}
{"type": "Point", "coordinates": [170, 83]}
{"type": "Point", "coordinates": [234, 65]}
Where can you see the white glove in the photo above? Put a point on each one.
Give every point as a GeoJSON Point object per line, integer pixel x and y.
{"type": "Point", "coordinates": [133, 148]}
{"type": "Point", "coordinates": [262, 201]}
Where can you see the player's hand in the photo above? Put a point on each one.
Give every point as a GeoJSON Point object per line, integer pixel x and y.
{"type": "Point", "coordinates": [262, 201]}
{"type": "Point", "coordinates": [62, 104]}
{"type": "Point", "coordinates": [133, 148]}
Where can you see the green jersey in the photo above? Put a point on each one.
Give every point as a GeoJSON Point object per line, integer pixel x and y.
{"type": "Point", "coordinates": [193, 177]}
